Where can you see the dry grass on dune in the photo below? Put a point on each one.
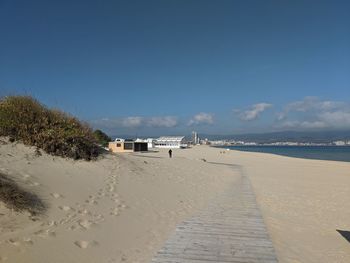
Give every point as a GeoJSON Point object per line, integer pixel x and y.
{"type": "Point", "coordinates": [18, 199]}
{"type": "Point", "coordinates": [22, 118]}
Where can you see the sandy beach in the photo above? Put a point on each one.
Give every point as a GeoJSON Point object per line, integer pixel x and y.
{"type": "Point", "coordinates": [123, 207]}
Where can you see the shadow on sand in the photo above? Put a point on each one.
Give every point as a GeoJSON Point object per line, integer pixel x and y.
{"type": "Point", "coordinates": [145, 156]}
{"type": "Point", "coordinates": [227, 164]}
{"type": "Point", "coordinates": [345, 234]}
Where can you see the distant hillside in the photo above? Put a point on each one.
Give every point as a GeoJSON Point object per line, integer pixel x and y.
{"type": "Point", "coordinates": [284, 136]}
{"type": "Point", "coordinates": [291, 136]}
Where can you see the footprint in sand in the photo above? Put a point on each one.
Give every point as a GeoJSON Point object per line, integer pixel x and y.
{"type": "Point", "coordinates": [64, 221]}
{"type": "Point", "coordinates": [3, 258]}
{"type": "Point", "coordinates": [71, 216]}
{"type": "Point", "coordinates": [51, 233]}
{"type": "Point", "coordinates": [84, 212]}
{"type": "Point", "coordinates": [49, 223]}
{"type": "Point", "coordinates": [28, 241]}
{"type": "Point", "coordinates": [91, 202]}
{"type": "Point", "coordinates": [56, 195]}
{"type": "Point", "coordinates": [101, 194]}
{"type": "Point", "coordinates": [73, 227]}
{"type": "Point", "coordinates": [82, 244]}
{"type": "Point", "coordinates": [113, 182]}
{"type": "Point", "coordinates": [45, 233]}
{"type": "Point", "coordinates": [122, 206]}
{"type": "Point", "coordinates": [98, 218]}
{"type": "Point", "coordinates": [25, 176]}
{"type": "Point", "coordinates": [115, 200]}
{"type": "Point", "coordinates": [86, 224]}
{"type": "Point", "coordinates": [85, 244]}
{"type": "Point", "coordinates": [14, 241]}
{"type": "Point", "coordinates": [65, 208]}
{"type": "Point", "coordinates": [115, 212]}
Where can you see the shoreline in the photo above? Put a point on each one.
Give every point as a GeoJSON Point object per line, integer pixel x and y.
{"type": "Point", "coordinates": [233, 148]}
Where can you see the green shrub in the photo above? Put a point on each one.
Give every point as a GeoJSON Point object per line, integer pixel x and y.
{"type": "Point", "coordinates": [102, 138]}
{"type": "Point", "coordinates": [24, 118]}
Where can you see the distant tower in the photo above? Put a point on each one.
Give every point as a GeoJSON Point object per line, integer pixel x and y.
{"type": "Point", "coordinates": [195, 139]}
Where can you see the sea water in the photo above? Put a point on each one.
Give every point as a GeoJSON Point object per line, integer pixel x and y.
{"type": "Point", "coordinates": [334, 153]}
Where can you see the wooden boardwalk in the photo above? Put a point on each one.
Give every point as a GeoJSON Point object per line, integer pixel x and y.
{"type": "Point", "coordinates": [230, 230]}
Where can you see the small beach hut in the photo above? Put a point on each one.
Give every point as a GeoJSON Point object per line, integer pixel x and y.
{"type": "Point", "coordinates": [121, 145]}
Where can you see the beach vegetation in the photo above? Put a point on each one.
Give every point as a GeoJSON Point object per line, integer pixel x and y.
{"type": "Point", "coordinates": [102, 138]}
{"type": "Point", "coordinates": [23, 118]}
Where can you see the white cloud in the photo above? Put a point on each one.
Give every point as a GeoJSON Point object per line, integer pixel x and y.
{"type": "Point", "coordinates": [339, 119]}
{"type": "Point", "coordinates": [303, 125]}
{"type": "Point", "coordinates": [281, 116]}
{"type": "Point", "coordinates": [132, 122]}
{"type": "Point", "coordinates": [313, 113]}
{"type": "Point", "coordinates": [303, 105]}
{"type": "Point", "coordinates": [254, 112]}
{"type": "Point", "coordinates": [312, 103]}
{"type": "Point", "coordinates": [167, 121]}
{"type": "Point", "coordinates": [105, 123]}
{"type": "Point", "coordinates": [202, 118]}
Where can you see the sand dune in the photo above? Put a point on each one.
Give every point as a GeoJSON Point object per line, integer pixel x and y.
{"type": "Point", "coordinates": [123, 207]}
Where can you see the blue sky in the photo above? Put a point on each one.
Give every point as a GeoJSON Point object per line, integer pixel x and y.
{"type": "Point", "coordinates": [169, 67]}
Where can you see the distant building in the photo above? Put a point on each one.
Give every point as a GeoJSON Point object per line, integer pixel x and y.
{"type": "Point", "coordinates": [121, 145]}
{"type": "Point", "coordinates": [195, 138]}
{"type": "Point", "coordinates": [170, 142]}
{"type": "Point", "coordinates": [150, 142]}
{"type": "Point", "coordinates": [339, 143]}
{"type": "Point", "coordinates": [204, 142]}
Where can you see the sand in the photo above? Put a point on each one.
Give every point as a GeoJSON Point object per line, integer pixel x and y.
{"type": "Point", "coordinates": [303, 202]}
{"type": "Point", "coordinates": [123, 207]}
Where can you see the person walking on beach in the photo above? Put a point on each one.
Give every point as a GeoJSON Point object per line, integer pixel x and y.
{"type": "Point", "coordinates": [170, 153]}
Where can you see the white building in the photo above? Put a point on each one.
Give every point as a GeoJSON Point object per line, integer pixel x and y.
{"type": "Point", "coordinates": [339, 143]}
{"type": "Point", "coordinates": [150, 142]}
{"type": "Point", "coordinates": [170, 142]}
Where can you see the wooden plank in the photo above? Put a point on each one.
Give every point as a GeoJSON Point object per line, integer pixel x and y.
{"type": "Point", "coordinates": [231, 229]}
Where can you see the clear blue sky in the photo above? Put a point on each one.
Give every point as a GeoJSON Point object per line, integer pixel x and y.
{"type": "Point", "coordinates": [156, 67]}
